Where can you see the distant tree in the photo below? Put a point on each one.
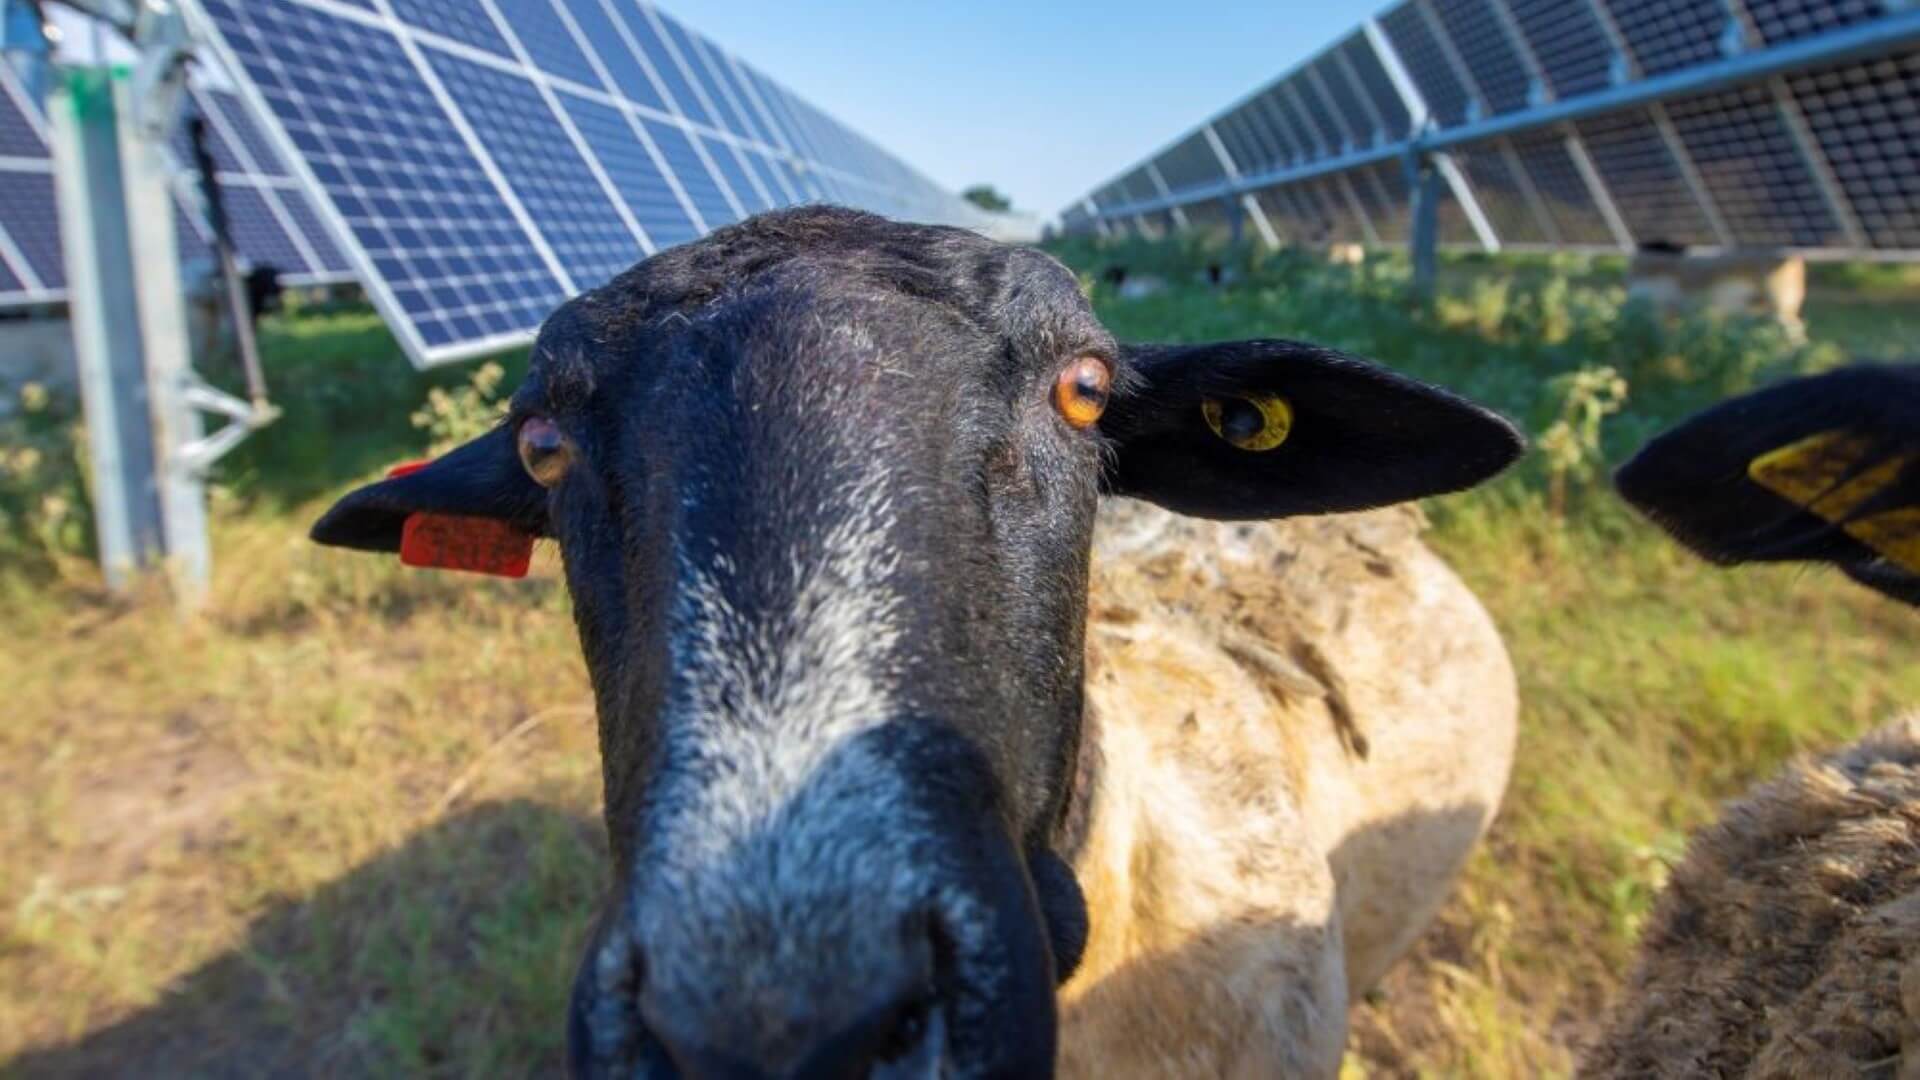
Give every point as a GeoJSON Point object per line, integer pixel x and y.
{"type": "Point", "coordinates": [987, 197]}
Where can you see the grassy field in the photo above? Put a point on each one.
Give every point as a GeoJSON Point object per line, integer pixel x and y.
{"type": "Point", "coordinates": [346, 823]}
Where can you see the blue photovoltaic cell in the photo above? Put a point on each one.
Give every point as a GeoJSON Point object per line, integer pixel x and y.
{"type": "Point", "coordinates": [1669, 34]}
{"type": "Point", "coordinates": [1486, 51]}
{"type": "Point", "coordinates": [1645, 181]}
{"type": "Point", "coordinates": [456, 260]}
{"type": "Point", "coordinates": [648, 195]}
{"type": "Point", "coordinates": [17, 135]}
{"type": "Point", "coordinates": [464, 21]}
{"type": "Point", "coordinates": [1421, 53]}
{"type": "Point", "coordinates": [610, 45]}
{"type": "Point", "coordinates": [549, 44]}
{"type": "Point", "coordinates": [1356, 121]}
{"type": "Point", "coordinates": [30, 216]}
{"type": "Point", "coordinates": [257, 232]}
{"type": "Point", "coordinates": [737, 179]}
{"type": "Point", "coordinates": [1563, 191]}
{"type": "Point", "coordinates": [693, 176]}
{"type": "Point", "coordinates": [769, 178]}
{"type": "Point", "coordinates": [1753, 170]}
{"type": "Point", "coordinates": [1379, 86]}
{"type": "Point", "coordinates": [224, 159]}
{"type": "Point", "coordinates": [1567, 40]}
{"type": "Point", "coordinates": [722, 111]}
{"type": "Point", "coordinates": [768, 112]}
{"type": "Point", "coordinates": [1501, 196]}
{"type": "Point", "coordinates": [266, 162]}
{"type": "Point", "coordinates": [732, 85]}
{"type": "Point", "coordinates": [313, 231]}
{"type": "Point", "coordinates": [664, 68]}
{"type": "Point", "coordinates": [9, 283]}
{"type": "Point", "coordinates": [556, 186]}
{"type": "Point", "coordinates": [1784, 20]}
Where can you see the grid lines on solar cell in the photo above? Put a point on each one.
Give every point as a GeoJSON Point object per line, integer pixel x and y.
{"type": "Point", "coordinates": [464, 21]}
{"type": "Point", "coordinates": [1189, 163]}
{"type": "Point", "coordinates": [1562, 189]}
{"type": "Point", "coordinates": [1784, 20]}
{"type": "Point", "coordinates": [1753, 170]}
{"type": "Point", "coordinates": [665, 69]}
{"type": "Point", "coordinates": [1862, 115]}
{"type": "Point", "coordinates": [1668, 34]}
{"type": "Point", "coordinates": [1358, 122]}
{"type": "Point", "coordinates": [555, 185]}
{"type": "Point", "coordinates": [458, 263]}
{"type": "Point", "coordinates": [737, 179]}
{"type": "Point", "coordinates": [256, 230]}
{"type": "Point", "coordinates": [721, 111]}
{"type": "Point", "coordinates": [319, 240]}
{"type": "Point", "coordinates": [649, 197]}
{"type": "Point", "coordinates": [1379, 87]}
{"type": "Point", "coordinates": [692, 173]}
{"type": "Point", "coordinates": [734, 89]}
{"type": "Point", "coordinates": [1413, 39]}
{"type": "Point", "coordinates": [224, 159]}
{"type": "Point", "coordinates": [233, 113]}
{"type": "Point", "coordinates": [33, 221]}
{"type": "Point", "coordinates": [1645, 181]}
{"type": "Point", "coordinates": [609, 45]}
{"type": "Point", "coordinates": [1567, 40]}
{"type": "Point", "coordinates": [1501, 195]}
{"type": "Point", "coordinates": [548, 42]}
{"type": "Point", "coordinates": [18, 137]}
{"type": "Point", "coordinates": [1487, 52]}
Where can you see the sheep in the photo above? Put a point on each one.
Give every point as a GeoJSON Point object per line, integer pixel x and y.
{"type": "Point", "coordinates": [824, 490]}
{"type": "Point", "coordinates": [1302, 729]}
{"type": "Point", "coordinates": [1788, 942]}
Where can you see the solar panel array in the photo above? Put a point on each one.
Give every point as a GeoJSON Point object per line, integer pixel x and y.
{"type": "Point", "coordinates": [1568, 124]}
{"type": "Point", "coordinates": [272, 221]}
{"type": "Point", "coordinates": [477, 162]}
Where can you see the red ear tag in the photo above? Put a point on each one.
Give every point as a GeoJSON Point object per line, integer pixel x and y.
{"type": "Point", "coordinates": [454, 542]}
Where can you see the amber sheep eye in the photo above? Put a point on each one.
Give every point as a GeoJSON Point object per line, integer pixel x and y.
{"type": "Point", "coordinates": [1082, 391]}
{"type": "Point", "coordinates": [544, 451]}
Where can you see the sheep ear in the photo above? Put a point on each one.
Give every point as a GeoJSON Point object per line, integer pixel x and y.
{"type": "Point", "coordinates": [1821, 469]}
{"type": "Point", "coordinates": [1266, 429]}
{"type": "Point", "coordinates": [476, 497]}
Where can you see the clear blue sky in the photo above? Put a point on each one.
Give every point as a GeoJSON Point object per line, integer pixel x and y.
{"type": "Point", "coordinates": [1043, 99]}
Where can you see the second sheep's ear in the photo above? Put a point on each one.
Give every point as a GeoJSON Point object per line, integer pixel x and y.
{"type": "Point", "coordinates": [1266, 429]}
{"type": "Point", "coordinates": [1824, 468]}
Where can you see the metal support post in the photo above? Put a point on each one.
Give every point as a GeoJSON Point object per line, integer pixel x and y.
{"type": "Point", "coordinates": [1423, 181]}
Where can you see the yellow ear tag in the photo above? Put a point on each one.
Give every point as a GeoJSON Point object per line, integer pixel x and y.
{"type": "Point", "coordinates": [1812, 473]}
{"type": "Point", "coordinates": [1255, 423]}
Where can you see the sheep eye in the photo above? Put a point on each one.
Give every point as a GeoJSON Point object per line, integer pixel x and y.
{"type": "Point", "coordinates": [1255, 423]}
{"type": "Point", "coordinates": [1082, 391]}
{"type": "Point", "coordinates": [544, 451]}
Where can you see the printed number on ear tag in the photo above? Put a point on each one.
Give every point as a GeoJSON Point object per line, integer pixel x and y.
{"type": "Point", "coordinates": [1824, 474]}
{"type": "Point", "coordinates": [454, 542]}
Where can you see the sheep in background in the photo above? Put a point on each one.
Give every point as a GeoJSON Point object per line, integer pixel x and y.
{"type": "Point", "coordinates": [1788, 943]}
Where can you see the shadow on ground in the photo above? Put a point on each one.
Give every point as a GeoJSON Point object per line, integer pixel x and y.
{"type": "Point", "coordinates": [450, 955]}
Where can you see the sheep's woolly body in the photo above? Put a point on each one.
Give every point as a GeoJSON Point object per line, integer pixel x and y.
{"type": "Point", "coordinates": [1298, 731]}
{"type": "Point", "coordinates": [1788, 944]}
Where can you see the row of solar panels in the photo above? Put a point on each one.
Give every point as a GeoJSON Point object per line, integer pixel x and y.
{"type": "Point", "coordinates": [271, 220]}
{"type": "Point", "coordinates": [475, 162]}
{"type": "Point", "coordinates": [1820, 158]}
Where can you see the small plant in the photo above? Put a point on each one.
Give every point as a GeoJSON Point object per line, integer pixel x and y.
{"type": "Point", "coordinates": [452, 417]}
{"type": "Point", "coordinates": [45, 514]}
{"type": "Point", "coordinates": [1571, 444]}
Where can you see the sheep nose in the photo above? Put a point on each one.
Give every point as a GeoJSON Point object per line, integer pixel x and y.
{"type": "Point", "coordinates": [868, 1011]}
{"type": "Point", "coordinates": [898, 1038]}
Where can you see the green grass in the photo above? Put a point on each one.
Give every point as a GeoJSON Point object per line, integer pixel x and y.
{"type": "Point", "coordinates": [347, 821]}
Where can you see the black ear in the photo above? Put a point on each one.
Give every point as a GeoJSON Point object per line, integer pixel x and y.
{"type": "Point", "coordinates": [1824, 469]}
{"type": "Point", "coordinates": [1265, 429]}
{"type": "Point", "coordinates": [482, 478]}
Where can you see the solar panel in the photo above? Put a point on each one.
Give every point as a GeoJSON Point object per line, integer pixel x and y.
{"type": "Point", "coordinates": [481, 160]}
{"type": "Point", "coordinates": [1778, 124]}
{"type": "Point", "coordinates": [272, 225]}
